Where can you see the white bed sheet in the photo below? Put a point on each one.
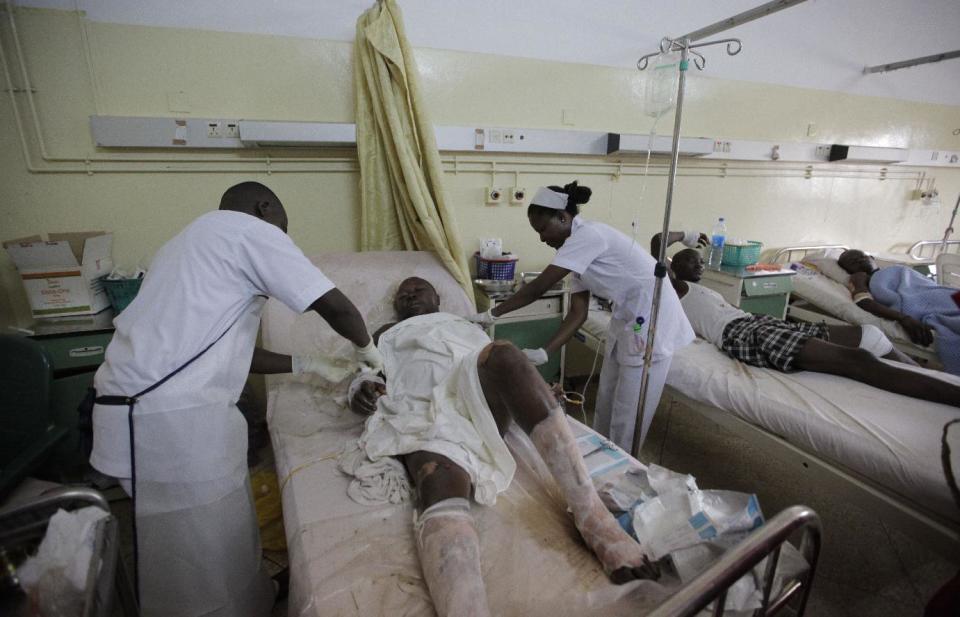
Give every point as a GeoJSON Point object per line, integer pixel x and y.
{"type": "Point", "coordinates": [834, 298]}
{"type": "Point", "coordinates": [893, 440]}
{"type": "Point", "coordinates": [349, 559]}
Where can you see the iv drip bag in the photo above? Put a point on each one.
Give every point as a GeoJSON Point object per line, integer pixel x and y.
{"type": "Point", "coordinates": [660, 89]}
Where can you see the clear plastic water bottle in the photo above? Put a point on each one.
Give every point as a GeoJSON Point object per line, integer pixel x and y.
{"type": "Point", "coordinates": [717, 239]}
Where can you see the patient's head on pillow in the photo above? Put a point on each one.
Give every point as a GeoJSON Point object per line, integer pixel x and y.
{"type": "Point", "coordinates": [688, 265]}
{"type": "Point", "coordinates": [825, 262]}
{"type": "Point", "coordinates": [853, 261]}
{"type": "Point", "coordinates": [415, 296]}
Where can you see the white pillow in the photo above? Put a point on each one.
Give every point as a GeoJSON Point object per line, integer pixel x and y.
{"type": "Point", "coordinates": [826, 263]}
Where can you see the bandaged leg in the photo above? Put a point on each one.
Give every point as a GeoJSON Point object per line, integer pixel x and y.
{"type": "Point", "coordinates": [622, 557]}
{"type": "Point", "coordinates": [450, 558]}
{"type": "Point", "coordinates": [874, 340]}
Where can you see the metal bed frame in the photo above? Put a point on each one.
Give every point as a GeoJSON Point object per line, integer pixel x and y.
{"type": "Point", "coordinates": [711, 585]}
{"type": "Point", "coordinates": [802, 309]}
{"type": "Point", "coordinates": [24, 525]}
{"type": "Point", "coordinates": [931, 528]}
{"type": "Point", "coordinates": [918, 251]}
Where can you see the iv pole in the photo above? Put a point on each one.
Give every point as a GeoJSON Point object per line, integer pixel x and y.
{"type": "Point", "coordinates": [684, 44]}
{"type": "Point", "coordinates": [949, 229]}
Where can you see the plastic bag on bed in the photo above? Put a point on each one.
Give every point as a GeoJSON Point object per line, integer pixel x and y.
{"type": "Point", "coordinates": [693, 528]}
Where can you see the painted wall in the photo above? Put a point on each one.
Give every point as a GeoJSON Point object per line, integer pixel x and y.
{"type": "Point", "coordinates": [80, 68]}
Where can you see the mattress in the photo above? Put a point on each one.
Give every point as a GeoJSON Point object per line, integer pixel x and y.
{"type": "Point", "coordinates": [893, 440]}
{"type": "Point", "coordinates": [831, 296]}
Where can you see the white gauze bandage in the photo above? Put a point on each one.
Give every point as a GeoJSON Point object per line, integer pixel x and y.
{"type": "Point", "coordinates": [606, 538]}
{"type": "Point", "coordinates": [450, 559]}
{"type": "Point", "coordinates": [874, 340]}
{"type": "Point", "coordinates": [358, 381]}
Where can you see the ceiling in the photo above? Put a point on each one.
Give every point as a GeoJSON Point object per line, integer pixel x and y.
{"type": "Point", "coordinates": [822, 44]}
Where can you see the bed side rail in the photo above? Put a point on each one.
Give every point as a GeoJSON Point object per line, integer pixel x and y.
{"type": "Point", "coordinates": [927, 249]}
{"type": "Point", "coordinates": [712, 584]}
{"type": "Point", "coordinates": [786, 254]}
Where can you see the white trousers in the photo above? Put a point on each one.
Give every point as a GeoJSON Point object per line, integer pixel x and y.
{"type": "Point", "coordinates": [618, 398]}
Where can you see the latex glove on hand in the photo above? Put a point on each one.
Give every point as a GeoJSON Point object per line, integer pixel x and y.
{"type": "Point", "coordinates": [331, 369]}
{"type": "Point", "coordinates": [536, 356]}
{"type": "Point", "coordinates": [368, 357]}
{"type": "Point", "coordinates": [484, 319]}
{"type": "Point", "coordinates": [695, 239]}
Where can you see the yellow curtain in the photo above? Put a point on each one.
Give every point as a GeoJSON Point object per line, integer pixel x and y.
{"type": "Point", "coordinates": [401, 180]}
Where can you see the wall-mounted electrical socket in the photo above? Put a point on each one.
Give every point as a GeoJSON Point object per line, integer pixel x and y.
{"type": "Point", "coordinates": [231, 129]}
{"type": "Point", "coordinates": [823, 152]}
{"type": "Point", "coordinates": [721, 146]}
{"type": "Point", "coordinates": [930, 197]}
{"type": "Point", "coordinates": [494, 195]}
{"type": "Point", "coordinates": [214, 129]}
{"type": "Point", "coordinates": [517, 195]}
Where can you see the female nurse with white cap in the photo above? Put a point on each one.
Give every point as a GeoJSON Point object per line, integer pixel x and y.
{"type": "Point", "coordinates": [607, 263]}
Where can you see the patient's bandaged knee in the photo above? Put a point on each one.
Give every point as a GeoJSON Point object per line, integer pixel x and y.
{"type": "Point", "coordinates": [874, 340]}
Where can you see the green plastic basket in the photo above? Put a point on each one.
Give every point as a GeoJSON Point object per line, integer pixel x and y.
{"type": "Point", "coordinates": [742, 254]}
{"type": "Point", "coordinates": [121, 292]}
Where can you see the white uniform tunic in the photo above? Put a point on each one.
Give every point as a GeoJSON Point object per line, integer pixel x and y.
{"type": "Point", "coordinates": [435, 402]}
{"type": "Point", "coordinates": [198, 542]}
{"type": "Point", "coordinates": [609, 264]}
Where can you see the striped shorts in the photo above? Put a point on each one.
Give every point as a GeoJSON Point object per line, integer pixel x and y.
{"type": "Point", "coordinates": [768, 342]}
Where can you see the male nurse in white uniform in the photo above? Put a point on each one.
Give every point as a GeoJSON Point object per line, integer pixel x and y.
{"type": "Point", "coordinates": [608, 264]}
{"type": "Point", "coordinates": [198, 310]}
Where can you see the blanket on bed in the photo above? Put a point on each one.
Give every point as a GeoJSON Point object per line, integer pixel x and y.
{"type": "Point", "coordinates": [906, 290]}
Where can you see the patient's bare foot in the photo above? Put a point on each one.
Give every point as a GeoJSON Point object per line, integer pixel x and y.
{"type": "Point", "coordinates": [622, 557]}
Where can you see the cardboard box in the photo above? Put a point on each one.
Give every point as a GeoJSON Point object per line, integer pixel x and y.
{"type": "Point", "coordinates": [62, 274]}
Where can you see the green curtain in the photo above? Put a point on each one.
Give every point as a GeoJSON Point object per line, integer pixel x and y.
{"type": "Point", "coordinates": [401, 180]}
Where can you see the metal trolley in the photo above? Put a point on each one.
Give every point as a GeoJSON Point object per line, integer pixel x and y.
{"type": "Point", "coordinates": [23, 527]}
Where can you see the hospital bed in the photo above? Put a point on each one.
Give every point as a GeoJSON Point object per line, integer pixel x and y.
{"type": "Point", "coordinates": [881, 449]}
{"type": "Point", "coordinates": [817, 298]}
{"type": "Point", "coordinates": [351, 559]}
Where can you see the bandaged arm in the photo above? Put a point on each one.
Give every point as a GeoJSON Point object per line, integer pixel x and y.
{"type": "Point", "coordinates": [364, 391]}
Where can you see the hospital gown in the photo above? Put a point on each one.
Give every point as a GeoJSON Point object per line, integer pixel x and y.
{"type": "Point", "coordinates": [435, 403]}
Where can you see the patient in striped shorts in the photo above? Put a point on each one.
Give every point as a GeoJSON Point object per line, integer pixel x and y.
{"type": "Point", "coordinates": [761, 340]}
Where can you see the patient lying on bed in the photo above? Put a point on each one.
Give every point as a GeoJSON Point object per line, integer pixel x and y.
{"type": "Point", "coordinates": [448, 396]}
{"type": "Point", "coordinates": [768, 342]}
{"type": "Point", "coordinates": [902, 294]}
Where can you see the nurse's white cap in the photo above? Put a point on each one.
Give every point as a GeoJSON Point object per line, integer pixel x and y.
{"type": "Point", "coordinates": [548, 198]}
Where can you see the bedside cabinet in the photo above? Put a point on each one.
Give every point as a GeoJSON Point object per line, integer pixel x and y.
{"type": "Point", "coordinates": [531, 326]}
{"type": "Point", "coordinates": [762, 293]}
{"type": "Point", "coordinates": [76, 348]}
